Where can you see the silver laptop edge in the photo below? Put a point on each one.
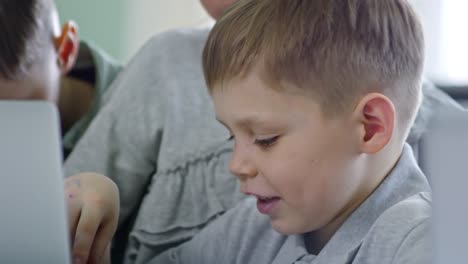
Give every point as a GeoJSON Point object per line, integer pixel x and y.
{"type": "Point", "coordinates": [33, 226]}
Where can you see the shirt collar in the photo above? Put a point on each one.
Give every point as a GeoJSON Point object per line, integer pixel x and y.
{"type": "Point", "coordinates": [405, 180]}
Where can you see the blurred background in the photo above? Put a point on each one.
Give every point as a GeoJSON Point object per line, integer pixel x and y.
{"type": "Point", "coordinates": [122, 26]}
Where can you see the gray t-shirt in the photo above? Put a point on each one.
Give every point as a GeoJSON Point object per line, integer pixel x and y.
{"type": "Point", "coordinates": [391, 226]}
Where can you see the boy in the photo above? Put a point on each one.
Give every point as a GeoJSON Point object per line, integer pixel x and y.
{"type": "Point", "coordinates": [134, 145]}
{"type": "Point", "coordinates": [319, 97]}
{"type": "Point", "coordinates": [36, 56]}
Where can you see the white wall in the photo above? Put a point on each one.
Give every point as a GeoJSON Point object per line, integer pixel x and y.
{"type": "Point", "coordinates": [148, 17]}
{"type": "Point", "coordinates": [102, 21]}
{"type": "Point", "coordinates": [446, 29]}
{"type": "Point", "coordinates": [121, 26]}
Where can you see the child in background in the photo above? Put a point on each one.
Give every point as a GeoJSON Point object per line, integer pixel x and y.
{"type": "Point", "coordinates": [40, 61]}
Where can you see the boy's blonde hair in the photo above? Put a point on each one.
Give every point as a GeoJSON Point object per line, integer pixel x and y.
{"type": "Point", "coordinates": [338, 50]}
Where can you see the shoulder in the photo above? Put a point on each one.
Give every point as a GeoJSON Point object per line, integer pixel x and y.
{"type": "Point", "coordinates": [397, 222]}
{"type": "Point", "coordinates": [178, 40]}
{"type": "Point", "coordinates": [158, 64]}
{"type": "Point", "coordinates": [409, 211]}
{"type": "Point", "coordinates": [402, 233]}
{"type": "Point", "coordinates": [166, 54]}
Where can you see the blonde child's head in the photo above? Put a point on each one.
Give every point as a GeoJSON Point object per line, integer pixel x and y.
{"type": "Point", "coordinates": [337, 51]}
{"type": "Point", "coordinates": [318, 97]}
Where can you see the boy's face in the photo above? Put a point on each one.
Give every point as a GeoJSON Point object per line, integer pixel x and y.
{"type": "Point", "coordinates": [43, 78]}
{"type": "Point", "coordinates": [299, 164]}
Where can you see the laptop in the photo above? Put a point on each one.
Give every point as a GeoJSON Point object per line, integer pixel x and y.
{"type": "Point", "coordinates": [444, 159]}
{"type": "Point", "coordinates": [33, 220]}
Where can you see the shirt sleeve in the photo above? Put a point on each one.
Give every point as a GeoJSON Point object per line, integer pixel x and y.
{"type": "Point", "coordinates": [122, 141]}
{"type": "Point", "coordinates": [156, 116]}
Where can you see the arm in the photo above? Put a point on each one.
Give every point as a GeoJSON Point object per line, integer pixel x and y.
{"type": "Point", "coordinates": [160, 92]}
{"type": "Point", "coordinates": [123, 140]}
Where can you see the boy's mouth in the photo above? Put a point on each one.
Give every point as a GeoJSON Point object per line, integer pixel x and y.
{"type": "Point", "coordinates": [266, 205]}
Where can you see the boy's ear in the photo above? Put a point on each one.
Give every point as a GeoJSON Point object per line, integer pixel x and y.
{"type": "Point", "coordinates": [376, 120]}
{"type": "Point", "coordinates": [67, 45]}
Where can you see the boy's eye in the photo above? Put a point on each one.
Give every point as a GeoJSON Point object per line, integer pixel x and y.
{"type": "Point", "coordinates": [267, 142]}
{"type": "Point", "coordinates": [231, 138]}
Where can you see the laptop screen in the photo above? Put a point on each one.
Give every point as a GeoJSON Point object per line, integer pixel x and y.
{"type": "Point", "coordinates": [33, 217]}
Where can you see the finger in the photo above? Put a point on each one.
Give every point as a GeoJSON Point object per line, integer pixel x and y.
{"type": "Point", "coordinates": [85, 232]}
{"type": "Point", "coordinates": [74, 214]}
{"type": "Point", "coordinates": [74, 205]}
{"type": "Point", "coordinates": [101, 242]}
{"type": "Point", "coordinates": [106, 259]}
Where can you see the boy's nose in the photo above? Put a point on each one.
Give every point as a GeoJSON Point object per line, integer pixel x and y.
{"type": "Point", "coordinates": [240, 166]}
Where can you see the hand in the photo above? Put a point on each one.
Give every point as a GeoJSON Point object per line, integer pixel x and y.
{"type": "Point", "coordinates": [93, 212]}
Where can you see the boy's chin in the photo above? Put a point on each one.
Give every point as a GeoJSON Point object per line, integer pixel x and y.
{"type": "Point", "coordinates": [285, 227]}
